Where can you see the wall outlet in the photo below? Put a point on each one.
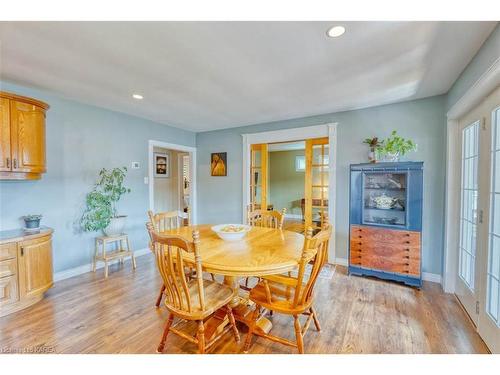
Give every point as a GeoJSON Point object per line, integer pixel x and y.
{"type": "Point", "coordinates": [135, 165]}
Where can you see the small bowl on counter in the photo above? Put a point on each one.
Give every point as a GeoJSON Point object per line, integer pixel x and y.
{"type": "Point", "coordinates": [231, 232]}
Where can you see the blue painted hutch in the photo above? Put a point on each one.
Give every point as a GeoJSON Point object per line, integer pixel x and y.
{"type": "Point", "coordinates": [385, 219]}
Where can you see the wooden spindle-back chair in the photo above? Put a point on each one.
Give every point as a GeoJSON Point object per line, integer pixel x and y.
{"type": "Point", "coordinates": [195, 299]}
{"type": "Point", "coordinates": [266, 219]}
{"type": "Point", "coordinates": [292, 296]}
{"type": "Point", "coordinates": [163, 221]}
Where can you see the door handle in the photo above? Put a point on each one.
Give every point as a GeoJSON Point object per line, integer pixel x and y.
{"type": "Point", "coordinates": [15, 163]}
{"type": "Point", "coordinates": [22, 251]}
{"type": "Point", "coordinates": [8, 163]}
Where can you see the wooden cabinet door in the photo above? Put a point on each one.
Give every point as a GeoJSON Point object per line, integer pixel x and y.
{"type": "Point", "coordinates": [28, 137]}
{"type": "Point", "coordinates": [8, 290]}
{"type": "Point", "coordinates": [35, 266]}
{"type": "Point", "coordinates": [5, 156]}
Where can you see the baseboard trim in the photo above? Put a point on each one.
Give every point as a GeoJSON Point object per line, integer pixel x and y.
{"type": "Point", "coordinates": [71, 272]}
{"type": "Point", "coordinates": [293, 216]}
{"type": "Point", "coordinates": [432, 277]}
{"type": "Point", "coordinates": [427, 276]}
{"type": "Point", "coordinates": [341, 262]}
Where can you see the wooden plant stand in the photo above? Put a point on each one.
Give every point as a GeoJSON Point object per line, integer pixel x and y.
{"type": "Point", "coordinates": [122, 251]}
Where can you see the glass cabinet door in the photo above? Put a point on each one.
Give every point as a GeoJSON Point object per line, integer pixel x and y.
{"type": "Point", "coordinates": [385, 198]}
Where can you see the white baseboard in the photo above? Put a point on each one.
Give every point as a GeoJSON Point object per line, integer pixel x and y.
{"type": "Point", "coordinates": [432, 277]}
{"type": "Point", "coordinates": [293, 216]}
{"type": "Point", "coordinates": [341, 262]}
{"type": "Point", "coordinates": [66, 274]}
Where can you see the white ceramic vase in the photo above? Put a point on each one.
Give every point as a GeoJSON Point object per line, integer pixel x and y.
{"type": "Point", "coordinates": [115, 226]}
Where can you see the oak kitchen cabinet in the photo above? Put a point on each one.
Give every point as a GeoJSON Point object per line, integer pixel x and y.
{"type": "Point", "coordinates": [22, 137]}
{"type": "Point", "coordinates": [25, 268]}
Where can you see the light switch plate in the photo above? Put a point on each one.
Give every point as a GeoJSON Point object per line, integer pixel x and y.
{"type": "Point", "coordinates": [146, 180]}
{"type": "Point", "coordinates": [135, 165]}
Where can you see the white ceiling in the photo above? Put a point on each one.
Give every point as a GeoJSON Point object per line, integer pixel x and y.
{"type": "Point", "coordinates": [209, 75]}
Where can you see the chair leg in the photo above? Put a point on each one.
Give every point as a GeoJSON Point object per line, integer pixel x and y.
{"type": "Point", "coordinates": [201, 337]}
{"type": "Point", "coordinates": [233, 323]}
{"type": "Point", "coordinates": [160, 296]}
{"type": "Point", "coordinates": [298, 334]}
{"type": "Point", "coordinates": [105, 269]}
{"type": "Point", "coordinates": [165, 333]}
{"type": "Point", "coordinates": [312, 310]}
{"type": "Point", "coordinates": [251, 328]}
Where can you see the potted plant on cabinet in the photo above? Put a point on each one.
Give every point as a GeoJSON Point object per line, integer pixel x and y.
{"type": "Point", "coordinates": [395, 146]}
{"type": "Point", "coordinates": [375, 146]}
{"type": "Point", "coordinates": [32, 222]}
{"type": "Point", "coordinates": [100, 212]}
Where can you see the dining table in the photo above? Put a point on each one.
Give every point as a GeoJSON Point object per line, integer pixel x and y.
{"type": "Point", "coordinates": [261, 252]}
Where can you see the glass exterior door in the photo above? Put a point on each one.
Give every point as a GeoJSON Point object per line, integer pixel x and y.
{"type": "Point", "coordinates": [316, 183]}
{"type": "Point", "coordinates": [489, 278]}
{"type": "Point", "coordinates": [478, 269]}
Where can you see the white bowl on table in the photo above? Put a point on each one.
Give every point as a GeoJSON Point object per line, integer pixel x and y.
{"type": "Point", "coordinates": [231, 232]}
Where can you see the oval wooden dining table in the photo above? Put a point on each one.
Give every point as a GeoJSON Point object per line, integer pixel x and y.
{"type": "Point", "coordinates": [263, 251]}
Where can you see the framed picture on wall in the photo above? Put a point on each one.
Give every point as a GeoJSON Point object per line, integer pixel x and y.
{"type": "Point", "coordinates": [161, 164]}
{"type": "Point", "coordinates": [218, 164]}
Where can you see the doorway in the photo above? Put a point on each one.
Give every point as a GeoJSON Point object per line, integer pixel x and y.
{"type": "Point", "coordinates": [316, 203]}
{"type": "Point", "coordinates": [172, 179]}
{"type": "Point", "coordinates": [477, 284]}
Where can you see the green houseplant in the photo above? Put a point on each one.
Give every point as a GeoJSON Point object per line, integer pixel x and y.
{"type": "Point", "coordinates": [395, 146]}
{"type": "Point", "coordinates": [100, 212]}
{"type": "Point", "coordinates": [374, 145]}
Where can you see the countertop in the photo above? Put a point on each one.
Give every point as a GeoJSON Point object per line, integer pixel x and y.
{"type": "Point", "coordinates": [15, 235]}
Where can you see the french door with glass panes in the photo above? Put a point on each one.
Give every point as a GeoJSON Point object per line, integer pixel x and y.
{"type": "Point", "coordinates": [316, 183]}
{"type": "Point", "coordinates": [478, 273]}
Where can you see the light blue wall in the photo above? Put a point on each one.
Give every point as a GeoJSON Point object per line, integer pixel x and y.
{"type": "Point", "coordinates": [485, 57]}
{"type": "Point", "coordinates": [220, 198]}
{"type": "Point", "coordinates": [81, 139]}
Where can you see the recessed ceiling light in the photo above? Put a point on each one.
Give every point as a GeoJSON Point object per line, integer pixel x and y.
{"type": "Point", "coordinates": [137, 96]}
{"type": "Point", "coordinates": [335, 31]}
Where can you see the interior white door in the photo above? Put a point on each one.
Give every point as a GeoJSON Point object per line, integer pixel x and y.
{"type": "Point", "coordinates": [489, 264]}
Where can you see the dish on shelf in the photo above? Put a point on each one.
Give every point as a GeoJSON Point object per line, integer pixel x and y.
{"type": "Point", "coordinates": [385, 220]}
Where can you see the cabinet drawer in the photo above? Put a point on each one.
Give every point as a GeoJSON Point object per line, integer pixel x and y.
{"type": "Point", "coordinates": [8, 251]}
{"type": "Point", "coordinates": [392, 236]}
{"type": "Point", "coordinates": [8, 290]}
{"type": "Point", "coordinates": [387, 250]}
{"type": "Point", "coordinates": [401, 266]}
{"type": "Point", "coordinates": [8, 267]}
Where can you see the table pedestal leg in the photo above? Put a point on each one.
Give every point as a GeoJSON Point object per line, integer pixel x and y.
{"type": "Point", "coordinates": [242, 311]}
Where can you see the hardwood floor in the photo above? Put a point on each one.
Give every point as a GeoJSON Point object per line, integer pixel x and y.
{"type": "Point", "coordinates": [89, 314]}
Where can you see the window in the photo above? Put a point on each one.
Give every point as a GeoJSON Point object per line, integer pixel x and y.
{"type": "Point", "coordinates": [300, 163]}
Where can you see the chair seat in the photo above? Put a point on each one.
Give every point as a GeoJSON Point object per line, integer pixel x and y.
{"type": "Point", "coordinates": [216, 296]}
{"type": "Point", "coordinates": [282, 290]}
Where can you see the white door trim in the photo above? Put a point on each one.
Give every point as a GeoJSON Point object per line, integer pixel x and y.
{"type": "Point", "coordinates": [296, 134]}
{"type": "Point", "coordinates": [478, 92]}
{"type": "Point", "coordinates": [172, 146]}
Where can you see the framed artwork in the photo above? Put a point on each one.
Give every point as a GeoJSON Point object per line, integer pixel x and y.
{"type": "Point", "coordinates": [218, 164]}
{"type": "Point", "coordinates": [161, 164]}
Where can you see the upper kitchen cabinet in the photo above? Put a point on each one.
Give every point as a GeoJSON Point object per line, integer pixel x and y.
{"type": "Point", "coordinates": [22, 142]}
